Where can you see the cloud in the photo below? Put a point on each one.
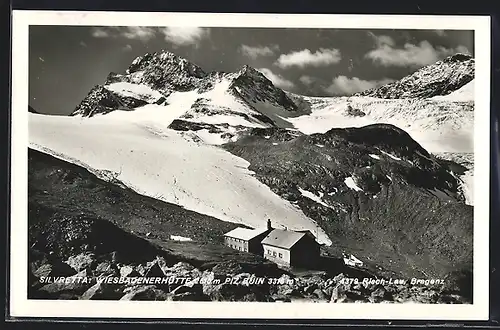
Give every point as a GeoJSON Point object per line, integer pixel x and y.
{"type": "Point", "coordinates": [307, 80]}
{"type": "Point", "coordinates": [127, 48]}
{"type": "Point", "coordinates": [100, 32]}
{"type": "Point", "coordinates": [441, 33]}
{"type": "Point", "coordinates": [343, 85]}
{"type": "Point", "coordinates": [83, 44]}
{"type": "Point", "coordinates": [139, 33]}
{"type": "Point", "coordinates": [305, 57]}
{"type": "Point", "coordinates": [254, 52]}
{"type": "Point", "coordinates": [277, 79]}
{"type": "Point", "coordinates": [130, 32]}
{"type": "Point", "coordinates": [387, 54]}
{"type": "Point", "coordinates": [384, 40]}
{"type": "Point", "coordinates": [185, 35]}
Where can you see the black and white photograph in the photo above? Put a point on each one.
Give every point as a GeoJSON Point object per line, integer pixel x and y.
{"type": "Point", "coordinates": [269, 165]}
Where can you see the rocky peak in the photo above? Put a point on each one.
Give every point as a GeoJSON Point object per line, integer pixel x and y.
{"type": "Point", "coordinates": [440, 78]}
{"type": "Point", "coordinates": [165, 60]}
{"type": "Point", "coordinates": [163, 71]}
{"type": "Point", "coordinates": [247, 70]}
{"type": "Point", "coordinates": [254, 87]}
{"type": "Point", "coordinates": [459, 57]}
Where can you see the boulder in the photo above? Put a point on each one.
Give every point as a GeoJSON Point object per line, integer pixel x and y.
{"type": "Point", "coordinates": [106, 268]}
{"type": "Point", "coordinates": [189, 296]}
{"type": "Point", "coordinates": [148, 292]}
{"type": "Point", "coordinates": [102, 291]}
{"type": "Point", "coordinates": [320, 294]}
{"type": "Point", "coordinates": [75, 285]}
{"type": "Point", "coordinates": [68, 296]}
{"type": "Point", "coordinates": [235, 292]}
{"type": "Point", "coordinates": [154, 270]}
{"type": "Point", "coordinates": [380, 294]}
{"type": "Point", "coordinates": [128, 271]}
{"type": "Point", "coordinates": [81, 261]}
{"type": "Point", "coordinates": [192, 287]}
{"type": "Point", "coordinates": [291, 292]}
{"type": "Point", "coordinates": [338, 294]}
{"type": "Point", "coordinates": [54, 269]}
{"type": "Point", "coordinates": [280, 298]}
{"type": "Point", "coordinates": [310, 288]}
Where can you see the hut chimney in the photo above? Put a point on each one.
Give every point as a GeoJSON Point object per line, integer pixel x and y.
{"type": "Point", "coordinates": [269, 227]}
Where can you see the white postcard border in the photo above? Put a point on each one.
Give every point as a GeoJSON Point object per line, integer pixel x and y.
{"type": "Point", "coordinates": [20, 306]}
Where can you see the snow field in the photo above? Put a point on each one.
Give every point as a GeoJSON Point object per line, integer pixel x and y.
{"type": "Point", "coordinates": [161, 163]}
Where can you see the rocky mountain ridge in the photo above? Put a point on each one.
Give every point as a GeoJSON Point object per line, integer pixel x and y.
{"type": "Point", "coordinates": [166, 73]}
{"type": "Point", "coordinates": [440, 78]}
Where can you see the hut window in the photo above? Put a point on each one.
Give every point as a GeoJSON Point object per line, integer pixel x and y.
{"type": "Point", "coordinates": [281, 255]}
{"type": "Point", "coordinates": [274, 254]}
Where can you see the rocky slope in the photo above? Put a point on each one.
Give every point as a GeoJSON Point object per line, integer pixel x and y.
{"type": "Point", "coordinates": [375, 191]}
{"type": "Point", "coordinates": [440, 78]}
{"type": "Point", "coordinates": [88, 242]}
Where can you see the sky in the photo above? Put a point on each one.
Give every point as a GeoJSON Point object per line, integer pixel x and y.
{"type": "Point", "coordinates": [65, 62]}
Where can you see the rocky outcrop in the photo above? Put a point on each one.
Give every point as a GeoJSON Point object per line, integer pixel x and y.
{"type": "Point", "coordinates": [440, 78]}
{"type": "Point", "coordinates": [101, 101]}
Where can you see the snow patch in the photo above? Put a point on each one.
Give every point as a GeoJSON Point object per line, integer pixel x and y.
{"type": "Point", "coordinates": [390, 155]}
{"type": "Point", "coordinates": [467, 186]}
{"type": "Point", "coordinates": [352, 261]}
{"type": "Point", "coordinates": [180, 238]}
{"type": "Point", "coordinates": [313, 197]}
{"type": "Point", "coordinates": [463, 94]}
{"type": "Point", "coordinates": [138, 91]}
{"type": "Point", "coordinates": [351, 184]}
{"type": "Point", "coordinates": [374, 156]}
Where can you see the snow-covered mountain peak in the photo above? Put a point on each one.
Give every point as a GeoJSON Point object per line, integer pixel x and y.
{"type": "Point", "coordinates": [440, 78]}
{"type": "Point", "coordinates": [165, 60]}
